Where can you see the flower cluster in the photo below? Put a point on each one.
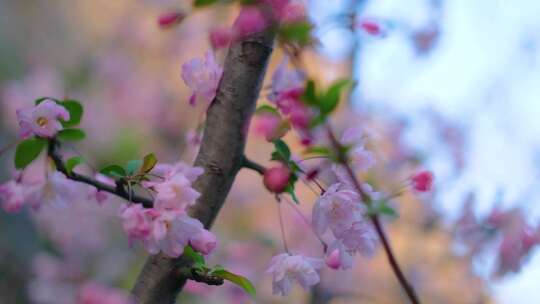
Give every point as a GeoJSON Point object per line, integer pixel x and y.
{"type": "Point", "coordinates": [202, 77]}
{"type": "Point", "coordinates": [167, 227]}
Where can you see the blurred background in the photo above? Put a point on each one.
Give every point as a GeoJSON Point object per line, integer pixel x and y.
{"type": "Point", "coordinates": [451, 86]}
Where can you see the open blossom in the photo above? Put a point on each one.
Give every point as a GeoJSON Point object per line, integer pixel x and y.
{"type": "Point", "coordinates": [42, 120]}
{"type": "Point", "coordinates": [94, 293]}
{"type": "Point", "coordinates": [202, 77]}
{"type": "Point", "coordinates": [57, 191]}
{"type": "Point", "coordinates": [135, 221]}
{"type": "Point", "coordinates": [287, 268]}
{"type": "Point", "coordinates": [337, 209]}
{"type": "Point", "coordinates": [13, 196]}
{"type": "Point", "coordinates": [287, 86]}
{"type": "Point", "coordinates": [174, 189]}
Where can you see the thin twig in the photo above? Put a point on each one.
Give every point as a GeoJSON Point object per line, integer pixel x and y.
{"type": "Point", "coordinates": [409, 290]}
{"type": "Point", "coordinates": [117, 190]}
{"type": "Point", "coordinates": [249, 164]}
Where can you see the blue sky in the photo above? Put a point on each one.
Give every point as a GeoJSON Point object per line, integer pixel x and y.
{"type": "Point", "coordinates": [484, 74]}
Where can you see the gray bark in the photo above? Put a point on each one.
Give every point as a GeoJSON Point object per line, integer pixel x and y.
{"type": "Point", "coordinates": [221, 155]}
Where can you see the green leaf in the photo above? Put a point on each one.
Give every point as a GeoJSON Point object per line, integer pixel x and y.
{"type": "Point", "coordinates": [71, 135]}
{"type": "Point", "coordinates": [266, 109]}
{"type": "Point", "coordinates": [149, 162]}
{"type": "Point", "coordinates": [296, 32]}
{"type": "Point", "coordinates": [310, 95]}
{"type": "Point", "coordinates": [75, 110]}
{"type": "Point", "coordinates": [133, 166]}
{"type": "Point", "coordinates": [236, 279]}
{"type": "Point", "coordinates": [201, 3]}
{"type": "Point", "coordinates": [382, 207]}
{"type": "Point", "coordinates": [27, 151]}
{"type": "Point", "coordinates": [282, 152]}
{"type": "Point", "coordinates": [318, 150]}
{"type": "Point", "coordinates": [290, 190]}
{"type": "Point", "coordinates": [331, 99]}
{"type": "Point", "coordinates": [195, 256]}
{"type": "Point", "coordinates": [73, 162]}
{"type": "Point", "coordinates": [113, 171]}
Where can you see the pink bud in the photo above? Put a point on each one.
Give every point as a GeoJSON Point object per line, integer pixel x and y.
{"type": "Point", "coordinates": [371, 27]}
{"type": "Point", "coordinates": [170, 18]}
{"type": "Point", "coordinates": [276, 179]}
{"type": "Point", "coordinates": [333, 260]}
{"type": "Point", "coordinates": [422, 181]}
{"type": "Point", "coordinates": [220, 37]}
{"type": "Point", "coordinates": [204, 242]}
{"type": "Point", "coordinates": [251, 20]}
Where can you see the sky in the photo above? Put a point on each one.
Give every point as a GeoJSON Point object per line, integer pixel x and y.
{"type": "Point", "coordinates": [483, 75]}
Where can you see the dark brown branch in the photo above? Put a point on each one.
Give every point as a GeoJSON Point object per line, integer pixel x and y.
{"type": "Point", "coordinates": [193, 274]}
{"type": "Point", "coordinates": [249, 164]}
{"type": "Point", "coordinates": [117, 190]}
{"type": "Point", "coordinates": [342, 158]}
{"type": "Point", "coordinates": [221, 155]}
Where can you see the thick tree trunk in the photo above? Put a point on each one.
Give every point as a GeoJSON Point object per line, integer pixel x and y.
{"type": "Point", "coordinates": [221, 155]}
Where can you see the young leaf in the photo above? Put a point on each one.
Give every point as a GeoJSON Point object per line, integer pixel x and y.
{"type": "Point", "coordinates": [201, 3]}
{"type": "Point", "coordinates": [73, 162]}
{"type": "Point", "coordinates": [113, 171]}
{"type": "Point", "coordinates": [133, 166]}
{"type": "Point", "coordinates": [310, 95]}
{"type": "Point", "coordinates": [290, 190]}
{"type": "Point", "coordinates": [282, 152]}
{"type": "Point", "coordinates": [71, 135]}
{"type": "Point", "coordinates": [27, 151]}
{"type": "Point", "coordinates": [195, 256]}
{"type": "Point", "coordinates": [331, 99]}
{"type": "Point", "coordinates": [318, 150]}
{"type": "Point", "coordinates": [266, 109]}
{"type": "Point", "coordinates": [149, 162]}
{"type": "Point", "coordinates": [296, 32]}
{"type": "Point", "coordinates": [75, 110]}
{"type": "Point", "coordinates": [236, 279]}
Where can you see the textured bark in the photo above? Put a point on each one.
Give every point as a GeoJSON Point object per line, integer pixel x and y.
{"type": "Point", "coordinates": [221, 155]}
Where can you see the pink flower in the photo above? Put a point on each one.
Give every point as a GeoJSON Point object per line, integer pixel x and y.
{"type": "Point", "coordinates": [170, 18]}
{"type": "Point", "coordinates": [515, 248]}
{"type": "Point", "coordinates": [220, 37]}
{"type": "Point", "coordinates": [276, 179]}
{"type": "Point", "coordinates": [135, 222]}
{"type": "Point", "coordinates": [270, 126]}
{"type": "Point", "coordinates": [202, 77]}
{"type": "Point", "coordinates": [287, 268]}
{"type": "Point", "coordinates": [339, 256]}
{"type": "Point", "coordinates": [337, 209]}
{"type": "Point", "coordinates": [174, 189]}
{"type": "Point", "coordinates": [333, 260]}
{"type": "Point", "coordinates": [372, 27]}
{"type": "Point", "coordinates": [100, 196]}
{"type": "Point", "coordinates": [204, 242]}
{"type": "Point", "coordinates": [360, 237]}
{"type": "Point", "coordinates": [94, 293]}
{"type": "Point", "coordinates": [171, 232]}
{"type": "Point", "coordinates": [251, 20]}
{"type": "Point", "coordinates": [360, 158]}
{"type": "Point", "coordinates": [422, 181]}
{"type": "Point", "coordinates": [57, 191]}
{"type": "Point", "coordinates": [286, 86]}
{"type": "Point", "coordinates": [42, 120]}
{"type": "Point", "coordinates": [292, 12]}
{"type": "Point", "coordinates": [13, 195]}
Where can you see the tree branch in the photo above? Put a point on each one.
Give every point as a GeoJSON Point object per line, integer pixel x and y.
{"type": "Point", "coordinates": [221, 155]}
{"type": "Point", "coordinates": [409, 289]}
{"type": "Point", "coordinates": [249, 164]}
{"type": "Point", "coordinates": [117, 190]}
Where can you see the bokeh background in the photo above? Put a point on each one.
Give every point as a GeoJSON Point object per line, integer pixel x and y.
{"type": "Point", "coordinates": [452, 86]}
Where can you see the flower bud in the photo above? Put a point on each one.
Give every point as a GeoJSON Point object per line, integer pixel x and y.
{"type": "Point", "coordinates": [204, 242]}
{"type": "Point", "coordinates": [276, 179]}
{"type": "Point", "coordinates": [422, 181]}
{"type": "Point", "coordinates": [169, 19]}
{"type": "Point", "coordinates": [333, 260]}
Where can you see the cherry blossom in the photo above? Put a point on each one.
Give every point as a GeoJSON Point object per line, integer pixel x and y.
{"type": "Point", "coordinates": [170, 18]}
{"type": "Point", "coordinates": [251, 20]}
{"type": "Point", "coordinates": [13, 196]}
{"type": "Point", "coordinates": [287, 268]}
{"type": "Point", "coordinates": [271, 126]}
{"type": "Point", "coordinates": [422, 181]}
{"type": "Point", "coordinates": [42, 120]}
{"type": "Point", "coordinates": [204, 242]}
{"type": "Point", "coordinates": [287, 86]}
{"type": "Point", "coordinates": [202, 77]}
{"type": "Point", "coordinates": [135, 222]}
{"type": "Point", "coordinates": [220, 37]}
{"type": "Point", "coordinates": [56, 191]}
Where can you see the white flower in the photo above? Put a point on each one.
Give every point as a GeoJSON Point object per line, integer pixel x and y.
{"type": "Point", "coordinates": [287, 268]}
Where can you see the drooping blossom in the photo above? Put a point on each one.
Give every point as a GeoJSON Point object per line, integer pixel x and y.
{"type": "Point", "coordinates": [169, 19]}
{"type": "Point", "coordinates": [422, 181]}
{"type": "Point", "coordinates": [515, 248]}
{"type": "Point", "coordinates": [277, 178]}
{"type": "Point", "coordinates": [287, 268]}
{"type": "Point", "coordinates": [95, 293]}
{"type": "Point", "coordinates": [202, 77]}
{"type": "Point", "coordinates": [286, 87]}
{"type": "Point", "coordinates": [271, 126]}
{"type": "Point", "coordinates": [13, 196]}
{"type": "Point", "coordinates": [42, 120]}
{"type": "Point", "coordinates": [220, 37]}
